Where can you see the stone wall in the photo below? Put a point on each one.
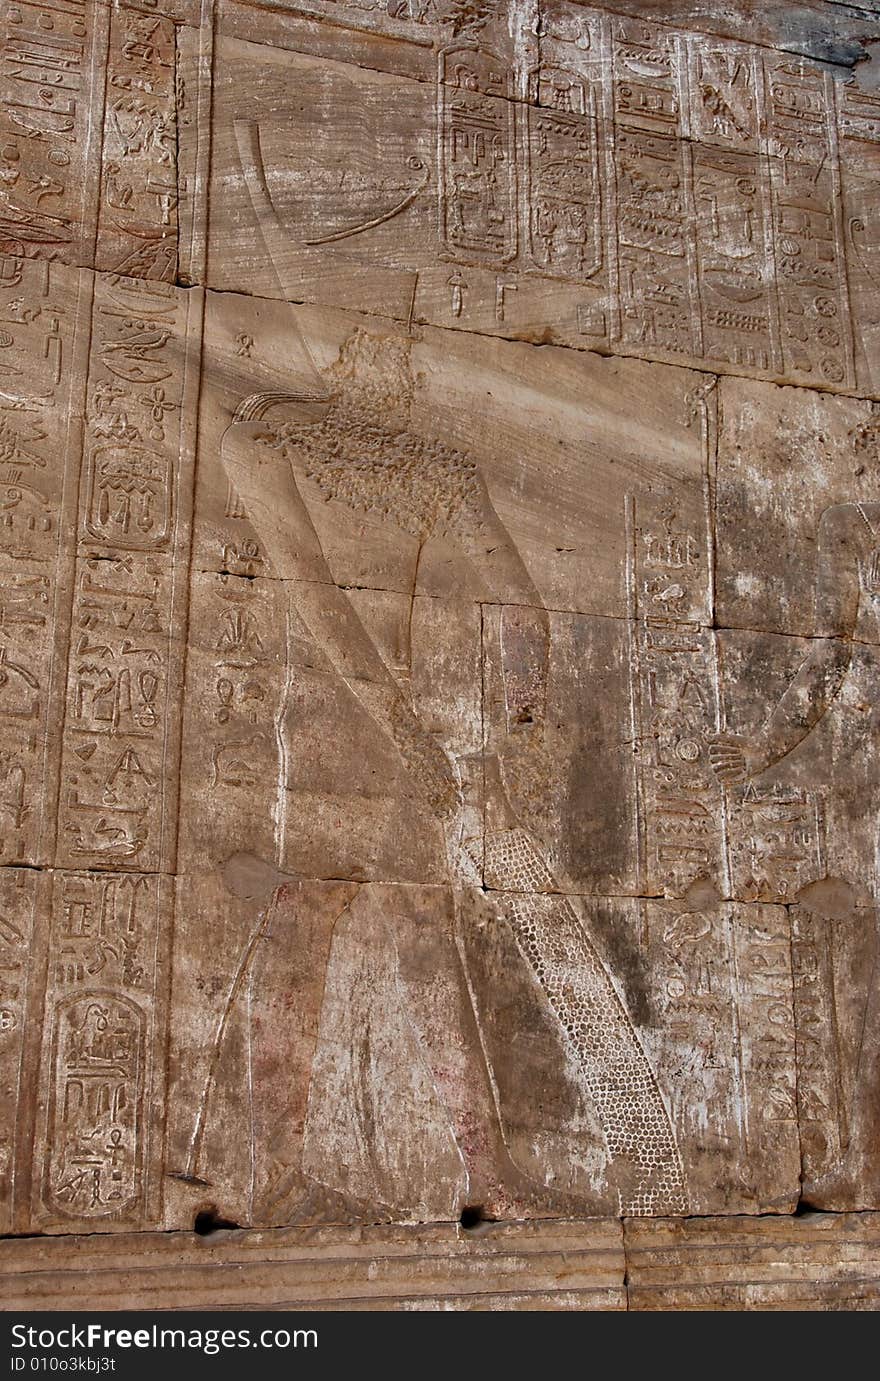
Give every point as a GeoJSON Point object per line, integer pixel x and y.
{"type": "Point", "coordinates": [439, 674]}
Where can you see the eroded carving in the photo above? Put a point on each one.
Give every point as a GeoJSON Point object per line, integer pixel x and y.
{"type": "Point", "coordinates": [429, 490]}
{"type": "Point", "coordinates": [423, 783]}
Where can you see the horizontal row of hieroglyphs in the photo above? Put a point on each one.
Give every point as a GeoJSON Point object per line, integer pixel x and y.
{"type": "Point", "coordinates": [694, 186]}
{"type": "Point", "coordinates": [703, 230]}
{"type": "Point", "coordinates": [88, 173]}
{"type": "Point", "coordinates": [713, 198]}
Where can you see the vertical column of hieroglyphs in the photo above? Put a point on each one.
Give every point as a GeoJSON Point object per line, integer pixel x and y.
{"type": "Point", "coordinates": [562, 194]}
{"type": "Point", "coordinates": [760, 940]}
{"type": "Point", "coordinates": [99, 1034]}
{"type": "Point", "coordinates": [101, 1064]}
{"type": "Point", "coordinates": [137, 231]}
{"type": "Point", "coordinates": [731, 205]}
{"type": "Point", "coordinates": [51, 73]}
{"type": "Point", "coordinates": [858, 118]}
{"type": "Point", "coordinates": [823, 1095]}
{"type": "Point", "coordinates": [103, 1046]}
{"type": "Point", "coordinates": [776, 841]}
{"type": "Point", "coordinates": [681, 823]}
{"type": "Point", "coordinates": [655, 258]}
{"type": "Point", "coordinates": [811, 285]}
{"type": "Point", "coordinates": [476, 136]}
{"type": "Point", "coordinates": [680, 810]}
{"type": "Point", "coordinates": [566, 203]}
{"type": "Point", "coordinates": [735, 995]}
{"type": "Point", "coordinates": [43, 329]}
{"type": "Point", "coordinates": [17, 901]}
{"type": "Point", "coordinates": [52, 66]}
{"type": "Point", "coordinates": [44, 315]}
{"type": "Point", "coordinates": [776, 847]}
{"type": "Point", "coordinates": [821, 1100]}
{"type": "Point", "coordinates": [236, 658]}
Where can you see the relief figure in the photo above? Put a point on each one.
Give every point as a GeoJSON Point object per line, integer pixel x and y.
{"type": "Point", "coordinates": [351, 436]}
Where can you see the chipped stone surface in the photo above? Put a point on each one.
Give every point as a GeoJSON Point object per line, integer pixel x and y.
{"type": "Point", "coordinates": [440, 530]}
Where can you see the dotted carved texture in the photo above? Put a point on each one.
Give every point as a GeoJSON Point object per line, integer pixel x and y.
{"type": "Point", "coordinates": [596, 1027]}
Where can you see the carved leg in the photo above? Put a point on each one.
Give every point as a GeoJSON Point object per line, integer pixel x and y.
{"type": "Point", "coordinates": [596, 1027]}
{"type": "Point", "coordinates": [441, 1010]}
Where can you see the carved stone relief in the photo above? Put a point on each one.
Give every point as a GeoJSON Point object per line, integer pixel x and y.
{"type": "Point", "coordinates": [591, 179]}
{"type": "Point", "coordinates": [440, 535]}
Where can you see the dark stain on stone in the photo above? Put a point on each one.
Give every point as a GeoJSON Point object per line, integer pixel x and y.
{"type": "Point", "coordinates": [833, 898]}
{"type": "Point", "coordinates": [251, 878]}
{"type": "Point", "coordinates": [618, 947]}
{"type": "Point", "coordinates": [701, 895]}
{"type": "Point", "coordinates": [842, 40]}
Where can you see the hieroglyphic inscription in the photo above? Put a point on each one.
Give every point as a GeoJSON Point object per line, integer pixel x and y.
{"type": "Point", "coordinates": [233, 759]}
{"type": "Point", "coordinates": [859, 115]}
{"type": "Point", "coordinates": [138, 215]}
{"type": "Point", "coordinates": [675, 702]}
{"type": "Point", "coordinates": [776, 841]}
{"type": "Point", "coordinates": [51, 68]}
{"type": "Point", "coordinates": [731, 206]}
{"type": "Point", "coordinates": [764, 988]}
{"type": "Point", "coordinates": [674, 196]}
{"type": "Point", "coordinates": [477, 155]}
{"type": "Point", "coordinates": [691, 968]}
{"type": "Point", "coordinates": [563, 198]}
{"type": "Point", "coordinates": [112, 769]}
{"type": "Point", "coordinates": [822, 1110]}
{"type": "Point", "coordinates": [122, 660]}
{"type": "Point", "coordinates": [654, 247]}
{"type": "Point", "coordinates": [88, 642]}
{"type": "Point", "coordinates": [713, 222]}
{"type": "Point", "coordinates": [96, 390]}
{"type": "Point", "coordinates": [723, 970]}
{"type": "Point", "coordinates": [692, 185]}
{"type": "Point", "coordinates": [694, 182]}
{"type": "Point", "coordinates": [805, 182]}
{"type": "Point", "coordinates": [102, 1050]}
{"type": "Point", "coordinates": [246, 686]}
{"type": "Point", "coordinates": [17, 897]}
{"type": "Point", "coordinates": [43, 309]}
{"type": "Point", "coordinates": [724, 978]}
{"type": "Point", "coordinates": [723, 982]}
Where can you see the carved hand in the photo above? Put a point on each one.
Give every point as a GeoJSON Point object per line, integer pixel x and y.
{"type": "Point", "coordinates": [252, 463]}
{"type": "Point", "coordinates": [733, 758]}
{"type": "Point", "coordinates": [262, 476]}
